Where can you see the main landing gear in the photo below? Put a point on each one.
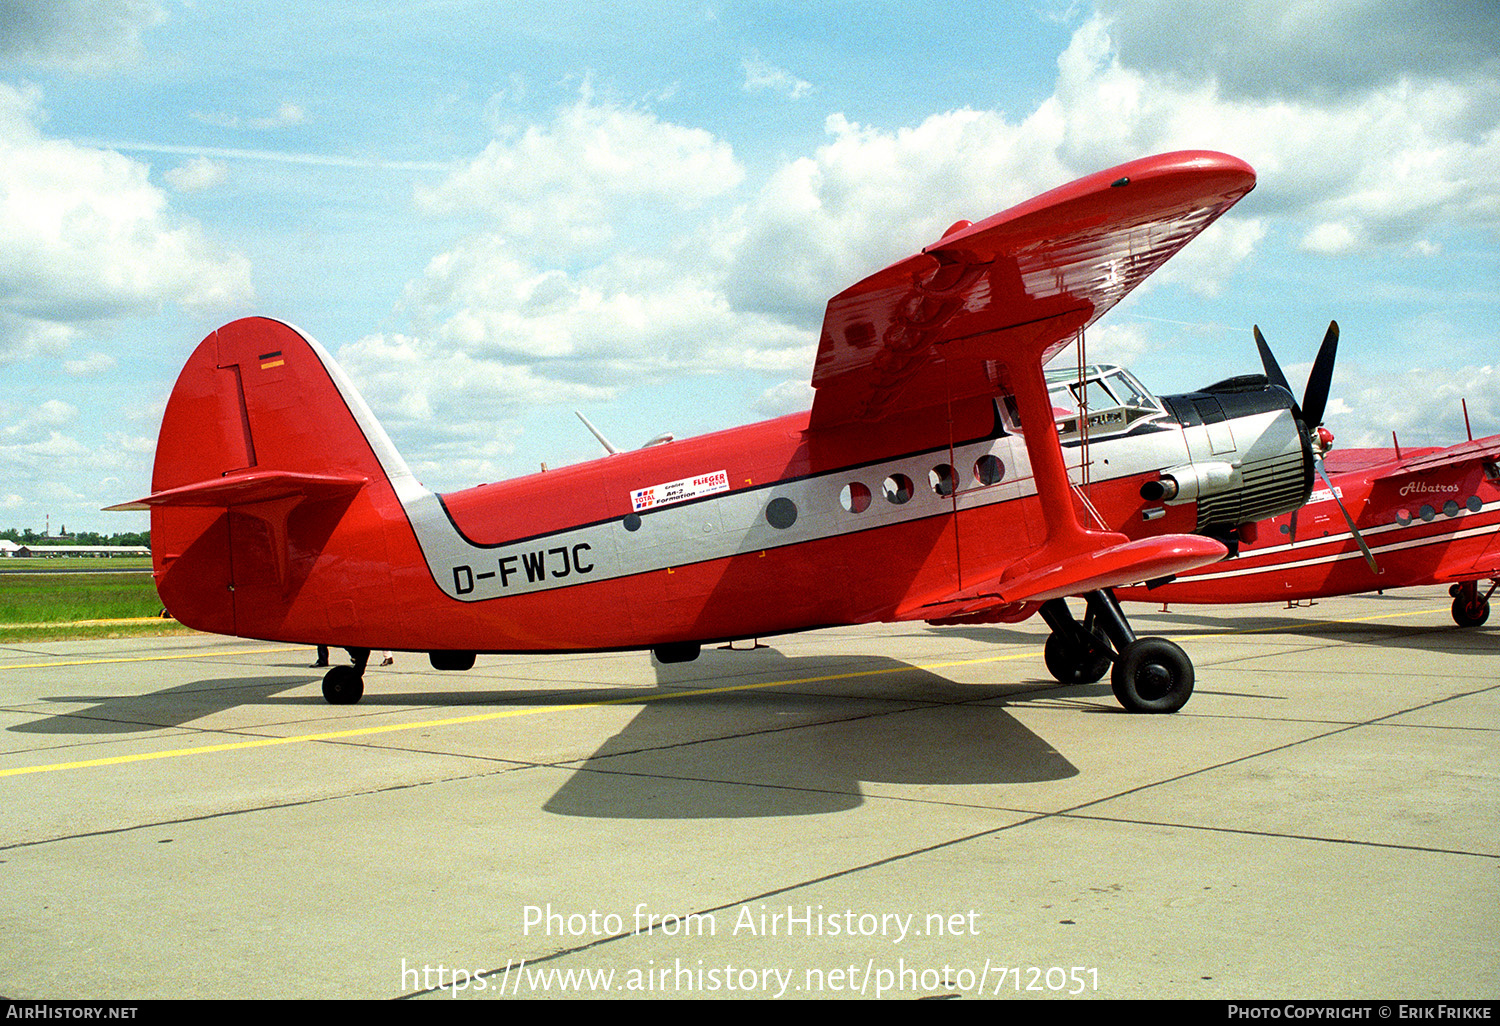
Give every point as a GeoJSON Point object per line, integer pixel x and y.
{"type": "Point", "coordinates": [1470, 609]}
{"type": "Point", "coordinates": [345, 685]}
{"type": "Point", "coordinates": [1149, 675]}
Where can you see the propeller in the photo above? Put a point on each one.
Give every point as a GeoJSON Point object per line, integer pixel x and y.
{"type": "Point", "coordinates": [1310, 413]}
{"type": "Point", "coordinates": [1315, 397]}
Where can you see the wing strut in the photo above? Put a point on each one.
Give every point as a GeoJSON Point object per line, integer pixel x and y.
{"type": "Point", "coordinates": [1066, 536]}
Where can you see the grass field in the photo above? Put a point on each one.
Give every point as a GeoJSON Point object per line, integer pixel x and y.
{"type": "Point", "coordinates": [38, 605]}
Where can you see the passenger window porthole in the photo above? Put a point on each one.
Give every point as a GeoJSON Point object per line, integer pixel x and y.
{"type": "Point", "coordinates": [942, 479]}
{"type": "Point", "coordinates": [898, 489]}
{"type": "Point", "coordinates": [632, 522]}
{"type": "Point", "coordinates": [988, 470]}
{"type": "Point", "coordinates": [855, 498]}
{"type": "Point", "coordinates": [781, 513]}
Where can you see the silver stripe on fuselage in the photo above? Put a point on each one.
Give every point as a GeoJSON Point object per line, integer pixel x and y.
{"type": "Point", "coordinates": [736, 522]}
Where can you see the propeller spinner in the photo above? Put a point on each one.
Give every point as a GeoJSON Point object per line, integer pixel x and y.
{"type": "Point", "coordinates": [1310, 413]}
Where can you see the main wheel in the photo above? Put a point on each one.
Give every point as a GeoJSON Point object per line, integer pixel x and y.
{"type": "Point", "coordinates": [343, 685]}
{"type": "Point", "coordinates": [1152, 675]}
{"type": "Point", "coordinates": [1072, 663]}
{"type": "Point", "coordinates": [1469, 610]}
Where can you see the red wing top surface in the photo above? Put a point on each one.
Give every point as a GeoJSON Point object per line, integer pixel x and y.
{"type": "Point", "coordinates": [1013, 288]}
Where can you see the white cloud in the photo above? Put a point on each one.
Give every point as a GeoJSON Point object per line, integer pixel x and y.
{"type": "Point", "coordinates": [783, 398]}
{"type": "Point", "coordinates": [1423, 406]}
{"type": "Point", "coordinates": [1375, 166]}
{"type": "Point", "coordinates": [566, 186]}
{"type": "Point", "coordinates": [1331, 237]}
{"type": "Point", "coordinates": [870, 196]}
{"type": "Point", "coordinates": [598, 269]}
{"type": "Point", "coordinates": [90, 366]}
{"type": "Point", "coordinates": [88, 237]}
{"type": "Point", "coordinates": [1279, 48]}
{"type": "Point", "coordinates": [763, 77]}
{"type": "Point", "coordinates": [197, 175]}
{"type": "Point", "coordinates": [286, 115]}
{"type": "Point", "coordinates": [87, 36]}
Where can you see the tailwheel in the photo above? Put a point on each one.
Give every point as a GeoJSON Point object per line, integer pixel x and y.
{"type": "Point", "coordinates": [343, 685]}
{"type": "Point", "coordinates": [1073, 660]}
{"type": "Point", "coordinates": [1152, 675]}
{"type": "Point", "coordinates": [1470, 609]}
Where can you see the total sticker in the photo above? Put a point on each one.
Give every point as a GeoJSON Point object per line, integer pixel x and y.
{"type": "Point", "coordinates": [679, 491]}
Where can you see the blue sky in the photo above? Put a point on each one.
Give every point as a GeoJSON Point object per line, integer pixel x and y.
{"type": "Point", "coordinates": [494, 214]}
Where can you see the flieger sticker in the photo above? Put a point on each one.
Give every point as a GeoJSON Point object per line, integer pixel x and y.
{"type": "Point", "coordinates": [679, 491]}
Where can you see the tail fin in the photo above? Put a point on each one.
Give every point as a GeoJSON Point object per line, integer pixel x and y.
{"type": "Point", "coordinates": [268, 465]}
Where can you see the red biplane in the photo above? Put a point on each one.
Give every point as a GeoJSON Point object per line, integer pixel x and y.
{"type": "Point", "coordinates": [1383, 519]}
{"type": "Point", "coordinates": [928, 482]}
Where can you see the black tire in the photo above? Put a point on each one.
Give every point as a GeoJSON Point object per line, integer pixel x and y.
{"type": "Point", "coordinates": [1470, 610]}
{"type": "Point", "coordinates": [343, 685]}
{"type": "Point", "coordinates": [1152, 675]}
{"type": "Point", "coordinates": [1071, 664]}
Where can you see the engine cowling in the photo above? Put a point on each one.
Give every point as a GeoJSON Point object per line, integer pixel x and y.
{"type": "Point", "coordinates": [1250, 456]}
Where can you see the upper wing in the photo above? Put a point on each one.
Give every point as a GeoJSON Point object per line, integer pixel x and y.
{"type": "Point", "coordinates": [1013, 288]}
{"type": "Point", "coordinates": [1477, 451]}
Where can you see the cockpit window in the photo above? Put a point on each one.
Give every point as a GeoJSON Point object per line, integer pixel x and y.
{"type": "Point", "coordinates": [1116, 401]}
{"type": "Point", "coordinates": [1097, 396]}
{"type": "Point", "coordinates": [1130, 392]}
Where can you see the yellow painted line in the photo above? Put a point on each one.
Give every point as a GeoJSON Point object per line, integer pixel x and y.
{"type": "Point", "coordinates": [1306, 623]}
{"type": "Point", "coordinates": [335, 735]}
{"type": "Point", "coordinates": [145, 659]}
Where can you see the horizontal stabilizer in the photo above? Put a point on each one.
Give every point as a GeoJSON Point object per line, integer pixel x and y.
{"type": "Point", "coordinates": [1113, 566]}
{"type": "Point", "coordinates": [245, 489]}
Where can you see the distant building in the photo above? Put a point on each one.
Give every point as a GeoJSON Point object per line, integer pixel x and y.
{"type": "Point", "coordinates": [10, 548]}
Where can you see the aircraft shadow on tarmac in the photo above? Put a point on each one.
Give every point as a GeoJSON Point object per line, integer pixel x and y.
{"type": "Point", "coordinates": [808, 750]}
{"type": "Point", "coordinates": [170, 707]}
{"type": "Point", "coordinates": [789, 750]}
{"type": "Point", "coordinates": [1446, 638]}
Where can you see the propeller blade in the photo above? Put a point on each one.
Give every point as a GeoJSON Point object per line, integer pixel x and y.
{"type": "Point", "coordinates": [1268, 361]}
{"type": "Point", "coordinates": [1315, 399]}
{"type": "Point", "coordinates": [1358, 538]}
